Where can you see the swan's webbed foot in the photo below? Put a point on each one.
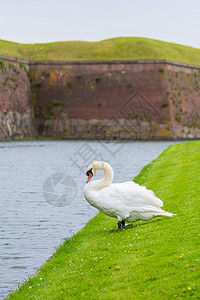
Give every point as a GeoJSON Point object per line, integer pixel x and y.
{"type": "Point", "coordinates": [121, 225]}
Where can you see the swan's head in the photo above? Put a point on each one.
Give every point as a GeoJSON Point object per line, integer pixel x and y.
{"type": "Point", "coordinates": [92, 169]}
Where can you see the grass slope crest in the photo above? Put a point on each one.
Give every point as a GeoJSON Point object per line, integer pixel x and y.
{"type": "Point", "coordinates": [124, 48]}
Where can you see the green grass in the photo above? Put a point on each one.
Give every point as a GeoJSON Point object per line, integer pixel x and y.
{"type": "Point", "coordinates": [152, 260]}
{"type": "Point", "coordinates": [127, 48]}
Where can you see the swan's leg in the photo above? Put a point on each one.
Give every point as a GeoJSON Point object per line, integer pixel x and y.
{"type": "Point", "coordinates": [119, 225]}
{"type": "Point", "coordinates": [123, 224]}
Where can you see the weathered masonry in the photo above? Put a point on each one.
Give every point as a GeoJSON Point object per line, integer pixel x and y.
{"type": "Point", "coordinates": [109, 100]}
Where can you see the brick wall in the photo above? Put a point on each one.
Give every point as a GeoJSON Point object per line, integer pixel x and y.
{"type": "Point", "coordinates": [123, 99]}
{"type": "Point", "coordinates": [16, 109]}
{"type": "Point", "coordinates": [155, 99]}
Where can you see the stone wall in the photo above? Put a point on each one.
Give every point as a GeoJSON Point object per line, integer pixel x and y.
{"type": "Point", "coordinates": [16, 108]}
{"type": "Point", "coordinates": [109, 100]}
{"type": "Point", "coordinates": [136, 100]}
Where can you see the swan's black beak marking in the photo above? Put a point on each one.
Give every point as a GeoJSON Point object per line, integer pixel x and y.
{"type": "Point", "coordinates": [89, 173]}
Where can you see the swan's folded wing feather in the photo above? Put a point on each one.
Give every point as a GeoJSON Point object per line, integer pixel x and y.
{"type": "Point", "coordinates": [130, 194]}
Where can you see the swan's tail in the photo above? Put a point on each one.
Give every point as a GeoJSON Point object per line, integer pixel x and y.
{"type": "Point", "coordinates": [166, 214]}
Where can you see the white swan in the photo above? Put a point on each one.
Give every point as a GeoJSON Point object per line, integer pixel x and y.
{"type": "Point", "coordinates": [127, 201]}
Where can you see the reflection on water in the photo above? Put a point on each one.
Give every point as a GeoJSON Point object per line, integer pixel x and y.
{"type": "Point", "coordinates": [31, 228]}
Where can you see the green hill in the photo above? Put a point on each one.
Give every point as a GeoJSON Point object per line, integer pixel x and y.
{"type": "Point", "coordinates": [128, 48]}
{"type": "Point", "coordinates": [151, 260]}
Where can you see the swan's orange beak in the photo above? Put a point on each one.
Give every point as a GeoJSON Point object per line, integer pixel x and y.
{"type": "Point", "coordinates": [89, 177]}
{"type": "Point", "coordinates": [89, 174]}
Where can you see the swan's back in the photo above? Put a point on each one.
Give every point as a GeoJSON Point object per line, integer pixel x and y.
{"type": "Point", "coordinates": [129, 193]}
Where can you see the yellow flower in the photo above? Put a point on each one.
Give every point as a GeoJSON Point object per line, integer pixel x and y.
{"type": "Point", "coordinates": [187, 265]}
{"type": "Point", "coordinates": [128, 236]}
{"type": "Point", "coordinates": [118, 267]}
{"type": "Point", "coordinates": [113, 273]}
{"type": "Point", "coordinates": [125, 251]}
{"type": "Point", "coordinates": [189, 288]}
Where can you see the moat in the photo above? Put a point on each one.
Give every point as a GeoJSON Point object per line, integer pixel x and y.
{"type": "Point", "coordinates": [32, 224]}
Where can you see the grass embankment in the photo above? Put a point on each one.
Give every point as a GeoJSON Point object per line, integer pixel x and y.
{"type": "Point", "coordinates": [127, 48]}
{"type": "Point", "coordinates": [152, 260]}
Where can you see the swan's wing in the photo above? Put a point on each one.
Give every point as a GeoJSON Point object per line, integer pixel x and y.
{"type": "Point", "coordinates": [130, 194]}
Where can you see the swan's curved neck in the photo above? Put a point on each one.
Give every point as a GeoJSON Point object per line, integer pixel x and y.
{"type": "Point", "coordinates": [106, 180]}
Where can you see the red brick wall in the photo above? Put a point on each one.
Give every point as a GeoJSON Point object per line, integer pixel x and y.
{"type": "Point", "coordinates": [147, 100]}
{"type": "Point", "coordinates": [16, 107]}
{"type": "Point", "coordinates": [99, 91]}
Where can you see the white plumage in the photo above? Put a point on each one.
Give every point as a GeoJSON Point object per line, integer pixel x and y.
{"type": "Point", "coordinates": [127, 201]}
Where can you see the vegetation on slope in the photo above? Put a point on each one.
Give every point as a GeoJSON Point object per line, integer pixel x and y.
{"type": "Point", "coordinates": [112, 49]}
{"type": "Point", "coordinates": [151, 260]}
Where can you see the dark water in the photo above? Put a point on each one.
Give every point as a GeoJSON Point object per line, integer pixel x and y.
{"type": "Point", "coordinates": [41, 196]}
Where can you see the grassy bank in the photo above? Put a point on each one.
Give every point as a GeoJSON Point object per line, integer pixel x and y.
{"type": "Point", "coordinates": [152, 260]}
{"type": "Point", "coordinates": [112, 49]}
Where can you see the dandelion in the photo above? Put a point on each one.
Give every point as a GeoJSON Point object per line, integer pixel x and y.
{"type": "Point", "coordinates": [113, 273]}
{"type": "Point", "coordinates": [125, 251]}
{"type": "Point", "coordinates": [128, 236]}
{"type": "Point", "coordinates": [189, 288]}
{"type": "Point", "coordinates": [187, 265]}
{"type": "Point", "coordinates": [118, 267]}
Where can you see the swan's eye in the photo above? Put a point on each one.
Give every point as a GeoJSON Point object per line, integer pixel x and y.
{"type": "Point", "coordinates": [89, 172]}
